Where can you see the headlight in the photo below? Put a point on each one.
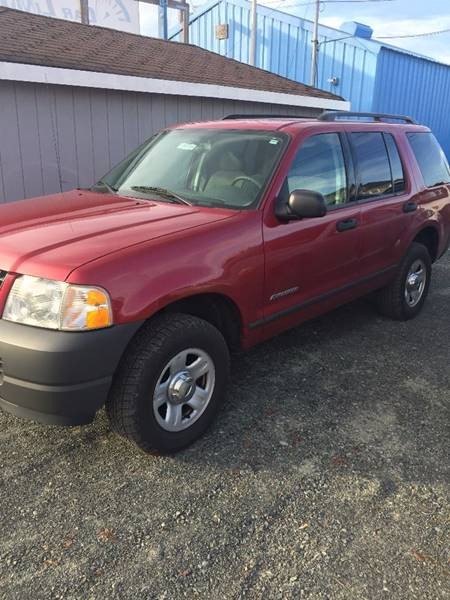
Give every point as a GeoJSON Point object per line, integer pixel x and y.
{"type": "Point", "coordinates": [57, 305]}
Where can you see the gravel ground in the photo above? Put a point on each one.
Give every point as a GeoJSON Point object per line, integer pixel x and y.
{"type": "Point", "coordinates": [326, 476]}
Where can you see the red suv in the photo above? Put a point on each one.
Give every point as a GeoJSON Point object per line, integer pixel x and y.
{"type": "Point", "coordinates": [210, 236]}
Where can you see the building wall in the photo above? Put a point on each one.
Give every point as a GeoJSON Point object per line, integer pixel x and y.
{"type": "Point", "coordinates": [56, 138]}
{"type": "Point", "coordinates": [284, 47]}
{"type": "Point", "coordinates": [373, 76]}
{"type": "Point", "coordinates": [420, 88]}
{"type": "Point", "coordinates": [119, 14]}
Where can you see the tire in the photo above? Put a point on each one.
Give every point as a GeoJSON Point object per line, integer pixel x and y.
{"type": "Point", "coordinates": [152, 371]}
{"type": "Point", "coordinates": [392, 300]}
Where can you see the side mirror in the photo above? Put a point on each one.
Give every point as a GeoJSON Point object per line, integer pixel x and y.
{"type": "Point", "coordinates": [301, 204]}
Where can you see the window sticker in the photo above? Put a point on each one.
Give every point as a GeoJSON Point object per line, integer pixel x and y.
{"type": "Point", "coordinates": [186, 146]}
{"type": "Point", "coordinates": [274, 141]}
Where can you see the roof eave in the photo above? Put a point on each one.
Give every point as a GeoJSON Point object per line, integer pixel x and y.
{"type": "Point", "coordinates": [92, 79]}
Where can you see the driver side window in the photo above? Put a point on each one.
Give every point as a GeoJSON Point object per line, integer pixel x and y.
{"type": "Point", "coordinates": [319, 166]}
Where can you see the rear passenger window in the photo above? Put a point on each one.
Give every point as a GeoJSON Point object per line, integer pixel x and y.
{"type": "Point", "coordinates": [398, 176]}
{"type": "Point", "coordinates": [430, 157]}
{"type": "Point", "coordinates": [374, 170]}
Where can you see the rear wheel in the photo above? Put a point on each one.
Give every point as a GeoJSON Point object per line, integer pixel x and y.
{"type": "Point", "coordinates": [405, 296]}
{"type": "Point", "coordinates": [170, 384]}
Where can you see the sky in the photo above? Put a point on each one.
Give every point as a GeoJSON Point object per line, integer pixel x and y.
{"type": "Point", "coordinates": [386, 17]}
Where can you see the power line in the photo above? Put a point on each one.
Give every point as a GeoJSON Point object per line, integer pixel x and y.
{"type": "Point", "coordinates": [351, 1]}
{"type": "Point", "coordinates": [411, 35]}
{"type": "Point", "coordinates": [310, 2]}
{"type": "Point", "coordinates": [281, 3]}
{"type": "Point", "coordinates": [379, 37]}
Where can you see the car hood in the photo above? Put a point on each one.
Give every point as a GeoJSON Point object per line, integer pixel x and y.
{"type": "Point", "coordinates": [51, 236]}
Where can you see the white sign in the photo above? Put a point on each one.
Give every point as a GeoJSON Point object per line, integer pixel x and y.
{"type": "Point", "coordinates": [118, 14]}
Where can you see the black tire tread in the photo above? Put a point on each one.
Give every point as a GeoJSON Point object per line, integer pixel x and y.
{"type": "Point", "coordinates": [148, 342]}
{"type": "Point", "coordinates": [390, 301]}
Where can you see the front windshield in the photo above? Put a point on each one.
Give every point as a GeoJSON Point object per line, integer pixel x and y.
{"type": "Point", "coordinates": [209, 167]}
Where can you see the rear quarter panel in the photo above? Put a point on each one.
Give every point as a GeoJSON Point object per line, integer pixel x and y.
{"type": "Point", "coordinates": [433, 203]}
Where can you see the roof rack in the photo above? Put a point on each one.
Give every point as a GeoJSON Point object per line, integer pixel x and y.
{"type": "Point", "coordinates": [338, 115]}
{"type": "Point", "coordinates": [260, 116]}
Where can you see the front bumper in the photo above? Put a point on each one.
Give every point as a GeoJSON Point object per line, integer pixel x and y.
{"type": "Point", "coordinates": [58, 377]}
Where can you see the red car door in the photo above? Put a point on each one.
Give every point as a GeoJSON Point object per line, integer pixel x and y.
{"type": "Point", "coordinates": [385, 197]}
{"type": "Point", "coordinates": [311, 262]}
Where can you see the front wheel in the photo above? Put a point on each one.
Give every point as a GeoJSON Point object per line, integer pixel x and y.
{"type": "Point", "coordinates": [170, 384]}
{"type": "Point", "coordinates": [405, 296]}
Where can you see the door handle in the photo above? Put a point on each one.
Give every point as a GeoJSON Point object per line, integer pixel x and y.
{"type": "Point", "coordinates": [346, 224]}
{"type": "Point", "coordinates": [409, 206]}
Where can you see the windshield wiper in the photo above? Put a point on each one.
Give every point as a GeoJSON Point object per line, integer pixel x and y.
{"type": "Point", "coordinates": [110, 188]}
{"type": "Point", "coordinates": [161, 192]}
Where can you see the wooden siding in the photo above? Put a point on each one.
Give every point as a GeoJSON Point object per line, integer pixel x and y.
{"type": "Point", "coordinates": [55, 138]}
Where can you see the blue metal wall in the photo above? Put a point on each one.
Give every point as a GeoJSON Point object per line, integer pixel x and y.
{"type": "Point", "coordinates": [284, 47]}
{"type": "Point", "coordinates": [415, 86]}
{"type": "Point", "coordinates": [371, 75]}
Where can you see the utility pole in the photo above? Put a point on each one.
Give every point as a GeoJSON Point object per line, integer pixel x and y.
{"type": "Point", "coordinates": [315, 45]}
{"type": "Point", "coordinates": [163, 28]}
{"type": "Point", "coordinates": [184, 20]}
{"type": "Point", "coordinates": [253, 29]}
{"type": "Point", "coordinates": [84, 11]}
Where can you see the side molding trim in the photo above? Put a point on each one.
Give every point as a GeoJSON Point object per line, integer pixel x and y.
{"type": "Point", "coordinates": [318, 299]}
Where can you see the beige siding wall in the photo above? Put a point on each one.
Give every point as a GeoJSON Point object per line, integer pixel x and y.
{"type": "Point", "coordinates": [59, 137]}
